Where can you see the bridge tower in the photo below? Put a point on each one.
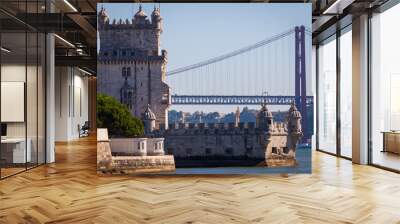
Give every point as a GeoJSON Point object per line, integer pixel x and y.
{"type": "Point", "coordinates": [300, 74]}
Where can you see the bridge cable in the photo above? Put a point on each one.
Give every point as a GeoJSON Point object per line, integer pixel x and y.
{"type": "Point", "coordinates": [231, 54]}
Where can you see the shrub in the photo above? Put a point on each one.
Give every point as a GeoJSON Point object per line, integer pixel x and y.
{"type": "Point", "coordinates": [114, 116]}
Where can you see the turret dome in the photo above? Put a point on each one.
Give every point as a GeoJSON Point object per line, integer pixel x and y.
{"type": "Point", "coordinates": [103, 12]}
{"type": "Point", "coordinates": [102, 18]}
{"type": "Point", "coordinates": [148, 114]}
{"type": "Point", "coordinates": [140, 13]}
{"type": "Point", "coordinates": [294, 112]}
{"type": "Point", "coordinates": [264, 112]}
{"type": "Point", "coordinates": [156, 12]}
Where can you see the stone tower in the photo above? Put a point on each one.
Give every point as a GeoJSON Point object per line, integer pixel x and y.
{"type": "Point", "coordinates": [102, 18]}
{"type": "Point", "coordinates": [294, 127]}
{"type": "Point", "coordinates": [149, 120]}
{"type": "Point", "coordinates": [237, 117]}
{"type": "Point", "coordinates": [264, 119]}
{"type": "Point", "coordinates": [131, 65]}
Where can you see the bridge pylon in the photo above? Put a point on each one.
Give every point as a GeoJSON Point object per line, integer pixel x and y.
{"type": "Point", "coordinates": [300, 75]}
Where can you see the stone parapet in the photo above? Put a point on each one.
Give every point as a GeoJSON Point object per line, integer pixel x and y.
{"type": "Point", "coordinates": [142, 164]}
{"type": "Point", "coordinates": [155, 161]}
{"type": "Point", "coordinates": [280, 161]}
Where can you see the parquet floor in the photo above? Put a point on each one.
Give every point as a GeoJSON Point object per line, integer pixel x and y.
{"type": "Point", "coordinates": [70, 191]}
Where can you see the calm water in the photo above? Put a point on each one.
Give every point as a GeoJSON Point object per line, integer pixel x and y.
{"type": "Point", "coordinates": [303, 156]}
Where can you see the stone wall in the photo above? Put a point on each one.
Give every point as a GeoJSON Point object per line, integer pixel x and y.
{"type": "Point", "coordinates": [106, 163]}
{"type": "Point", "coordinates": [144, 38]}
{"type": "Point", "coordinates": [137, 146]}
{"type": "Point", "coordinates": [219, 140]}
{"type": "Point", "coordinates": [143, 164]}
{"type": "Point", "coordinates": [148, 81]}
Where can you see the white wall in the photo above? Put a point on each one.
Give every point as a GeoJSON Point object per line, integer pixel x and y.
{"type": "Point", "coordinates": [33, 126]}
{"type": "Point", "coordinates": [313, 86]}
{"type": "Point", "coordinates": [71, 102]}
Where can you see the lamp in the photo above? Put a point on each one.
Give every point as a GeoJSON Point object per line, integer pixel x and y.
{"type": "Point", "coordinates": [84, 71]}
{"type": "Point", "coordinates": [337, 7]}
{"type": "Point", "coordinates": [65, 41]}
{"type": "Point", "coordinates": [70, 5]}
{"type": "Point", "coordinates": [5, 50]}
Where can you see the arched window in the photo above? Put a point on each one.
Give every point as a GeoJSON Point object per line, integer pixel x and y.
{"type": "Point", "coordinates": [127, 91]}
{"type": "Point", "coordinates": [124, 72]}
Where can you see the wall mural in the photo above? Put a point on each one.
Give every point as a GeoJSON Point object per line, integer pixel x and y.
{"type": "Point", "coordinates": [204, 88]}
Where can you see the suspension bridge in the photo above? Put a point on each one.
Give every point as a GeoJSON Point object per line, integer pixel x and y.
{"type": "Point", "coordinates": [272, 71]}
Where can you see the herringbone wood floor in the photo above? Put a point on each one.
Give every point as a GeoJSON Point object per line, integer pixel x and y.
{"type": "Point", "coordinates": [70, 191]}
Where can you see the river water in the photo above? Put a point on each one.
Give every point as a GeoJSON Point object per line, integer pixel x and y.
{"type": "Point", "coordinates": [303, 156]}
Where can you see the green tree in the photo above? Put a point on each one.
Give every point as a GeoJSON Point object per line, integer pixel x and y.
{"type": "Point", "coordinates": [116, 117]}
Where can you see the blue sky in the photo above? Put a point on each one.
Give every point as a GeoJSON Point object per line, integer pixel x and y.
{"type": "Point", "coordinates": [215, 28]}
{"type": "Point", "coordinates": [197, 32]}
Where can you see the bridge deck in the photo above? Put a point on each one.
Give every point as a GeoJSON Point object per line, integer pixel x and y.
{"type": "Point", "coordinates": [235, 100]}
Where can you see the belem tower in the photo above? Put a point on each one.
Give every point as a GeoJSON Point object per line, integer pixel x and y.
{"type": "Point", "coordinates": [273, 143]}
{"type": "Point", "coordinates": [132, 68]}
{"type": "Point", "coordinates": [131, 65]}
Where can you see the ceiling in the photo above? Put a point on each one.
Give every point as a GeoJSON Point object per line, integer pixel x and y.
{"type": "Point", "coordinates": [75, 21]}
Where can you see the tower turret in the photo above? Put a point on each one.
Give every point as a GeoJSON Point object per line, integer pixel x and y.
{"type": "Point", "coordinates": [294, 120]}
{"type": "Point", "coordinates": [149, 120]}
{"type": "Point", "coordinates": [102, 18]}
{"type": "Point", "coordinates": [237, 117]}
{"type": "Point", "coordinates": [294, 132]}
{"type": "Point", "coordinates": [140, 16]}
{"type": "Point", "coordinates": [181, 117]}
{"type": "Point", "coordinates": [156, 19]}
{"type": "Point", "coordinates": [264, 118]}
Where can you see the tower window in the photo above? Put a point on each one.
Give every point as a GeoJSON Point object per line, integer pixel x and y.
{"type": "Point", "coordinates": [249, 150]}
{"type": "Point", "coordinates": [285, 150]}
{"type": "Point", "coordinates": [229, 151]}
{"type": "Point", "coordinates": [124, 72]}
{"type": "Point", "coordinates": [274, 150]}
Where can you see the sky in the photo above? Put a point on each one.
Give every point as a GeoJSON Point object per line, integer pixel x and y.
{"type": "Point", "coordinates": [197, 32]}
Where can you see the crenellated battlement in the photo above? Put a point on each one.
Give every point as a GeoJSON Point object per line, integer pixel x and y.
{"type": "Point", "coordinates": [137, 39]}
{"type": "Point", "coordinates": [219, 128]}
{"type": "Point", "coordinates": [139, 21]}
{"type": "Point", "coordinates": [126, 25]}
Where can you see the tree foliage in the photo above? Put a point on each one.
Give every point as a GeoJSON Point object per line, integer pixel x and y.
{"type": "Point", "coordinates": [116, 117]}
